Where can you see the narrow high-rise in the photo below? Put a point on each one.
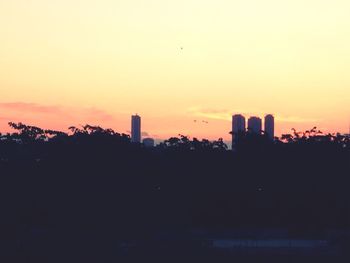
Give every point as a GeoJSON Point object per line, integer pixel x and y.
{"type": "Point", "coordinates": [254, 125]}
{"type": "Point", "coordinates": [136, 128]}
{"type": "Point", "coordinates": [269, 124]}
{"type": "Point", "coordinates": [238, 126]}
{"type": "Point", "coordinates": [238, 123]}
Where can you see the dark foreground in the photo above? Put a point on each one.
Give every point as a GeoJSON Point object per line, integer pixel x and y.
{"type": "Point", "coordinates": [93, 196]}
{"type": "Point", "coordinates": [40, 246]}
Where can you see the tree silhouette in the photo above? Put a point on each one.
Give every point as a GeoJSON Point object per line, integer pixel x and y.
{"type": "Point", "coordinates": [91, 187]}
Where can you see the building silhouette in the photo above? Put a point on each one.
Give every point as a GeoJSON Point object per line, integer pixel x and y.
{"type": "Point", "coordinates": [269, 126]}
{"type": "Point", "coordinates": [254, 125]}
{"type": "Point", "coordinates": [136, 128]}
{"type": "Point", "coordinates": [148, 142]}
{"type": "Point", "coordinates": [238, 126]}
{"type": "Point", "coordinates": [238, 123]}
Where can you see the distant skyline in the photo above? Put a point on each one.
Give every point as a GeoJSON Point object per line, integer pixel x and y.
{"type": "Point", "coordinates": [67, 63]}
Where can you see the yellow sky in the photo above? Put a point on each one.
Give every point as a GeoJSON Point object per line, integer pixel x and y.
{"type": "Point", "coordinates": [99, 61]}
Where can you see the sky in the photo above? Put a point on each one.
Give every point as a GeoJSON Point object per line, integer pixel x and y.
{"type": "Point", "coordinates": [72, 62]}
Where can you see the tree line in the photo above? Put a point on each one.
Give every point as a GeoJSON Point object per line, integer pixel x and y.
{"type": "Point", "coordinates": [63, 189]}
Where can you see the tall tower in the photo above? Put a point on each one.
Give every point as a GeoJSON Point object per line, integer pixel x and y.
{"type": "Point", "coordinates": [238, 126]}
{"type": "Point", "coordinates": [269, 124]}
{"type": "Point", "coordinates": [238, 123]}
{"type": "Point", "coordinates": [254, 125]}
{"type": "Point", "coordinates": [136, 128]}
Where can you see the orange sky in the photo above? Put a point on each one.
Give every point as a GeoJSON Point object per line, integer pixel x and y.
{"type": "Point", "coordinates": [69, 62]}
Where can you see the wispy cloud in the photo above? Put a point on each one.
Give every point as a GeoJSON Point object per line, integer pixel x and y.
{"type": "Point", "coordinates": [30, 111]}
{"type": "Point", "coordinates": [218, 114]}
{"type": "Point", "coordinates": [30, 107]}
{"type": "Point", "coordinates": [97, 114]}
{"type": "Point", "coordinates": [296, 119]}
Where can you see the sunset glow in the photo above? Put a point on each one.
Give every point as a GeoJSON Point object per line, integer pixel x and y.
{"type": "Point", "coordinates": [175, 63]}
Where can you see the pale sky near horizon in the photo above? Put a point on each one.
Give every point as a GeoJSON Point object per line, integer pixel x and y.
{"type": "Point", "coordinates": [72, 62]}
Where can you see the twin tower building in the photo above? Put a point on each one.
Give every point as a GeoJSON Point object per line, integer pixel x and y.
{"type": "Point", "coordinates": [254, 125]}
